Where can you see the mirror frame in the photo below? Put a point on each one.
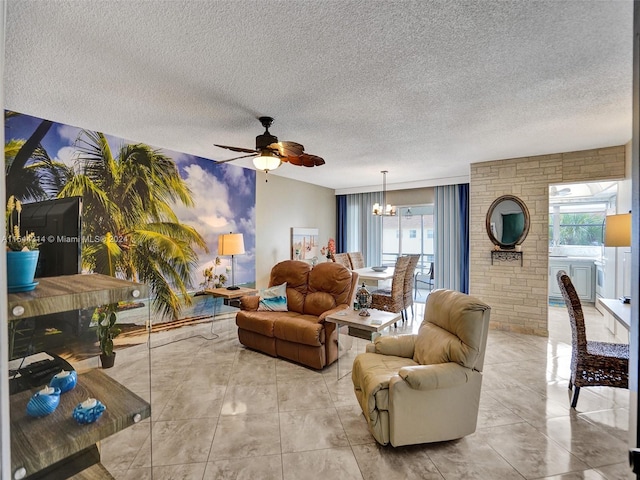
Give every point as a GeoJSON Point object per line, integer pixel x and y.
{"type": "Point", "coordinates": [525, 229]}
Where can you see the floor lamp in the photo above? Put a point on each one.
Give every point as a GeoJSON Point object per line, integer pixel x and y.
{"type": "Point", "coordinates": [231, 244]}
{"type": "Point", "coordinates": [617, 233]}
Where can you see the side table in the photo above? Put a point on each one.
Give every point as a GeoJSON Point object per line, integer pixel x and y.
{"type": "Point", "coordinates": [228, 296]}
{"type": "Point", "coordinates": [366, 327]}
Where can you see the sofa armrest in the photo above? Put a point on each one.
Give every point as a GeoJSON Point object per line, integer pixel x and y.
{"type": "Point", "coordinates": [433, 377]}
{"type": "Point", "coordinates": [335, 309]}
{"type": "Point", "coordinates": [249, 302]}
{"type": "Point", "coordinates": [397, 345]}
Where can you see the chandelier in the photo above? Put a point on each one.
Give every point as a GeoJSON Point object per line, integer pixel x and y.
{"type": "Point", "coordinates": [385, 209]}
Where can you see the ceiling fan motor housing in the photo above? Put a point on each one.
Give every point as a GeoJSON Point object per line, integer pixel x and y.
{"type": "Point", "coordinates": [264, 140]}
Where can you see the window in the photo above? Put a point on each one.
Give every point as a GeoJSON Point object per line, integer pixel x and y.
{"type": "Point", "coordinates": [577, 213]}
{"type": "Point", "coordinates": [577, 225]}
{"type": "Point", "coordinates": [409, 232]}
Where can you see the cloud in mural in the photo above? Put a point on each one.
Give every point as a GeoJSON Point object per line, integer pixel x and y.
{"type": "Point", "coordinates": [235, 178]}
{"type": "Point", "coordinates": [225, 204]}
{"type": "Point", "coordinates": [211, 196]}
{"type": "Point", "coordinates": [67, 155]}
{"type": "Point", "coordinates": [67, 132]}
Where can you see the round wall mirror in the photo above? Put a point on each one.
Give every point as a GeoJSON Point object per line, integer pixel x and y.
{"type": "Point", "coordinates": [507, 221]}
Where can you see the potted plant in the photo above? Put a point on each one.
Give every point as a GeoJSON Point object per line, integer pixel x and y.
{"type": "Point", "coordinates": [22, 251]}
{"type": "Point", "coordinates": [107, 331]}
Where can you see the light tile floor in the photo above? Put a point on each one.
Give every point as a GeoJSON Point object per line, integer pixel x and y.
{"type": "Point", "coordinates": [221, 411]}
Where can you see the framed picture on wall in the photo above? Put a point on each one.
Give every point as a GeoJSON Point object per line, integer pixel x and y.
{"type": "Point", "coordinates": [304, 243]}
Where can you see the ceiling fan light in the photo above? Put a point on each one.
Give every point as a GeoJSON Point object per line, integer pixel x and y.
{"type": "Point", "coordinates": [266, 161]}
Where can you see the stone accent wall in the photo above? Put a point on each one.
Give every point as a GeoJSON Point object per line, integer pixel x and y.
{"type": "Point", "coordinates": [518, 295]}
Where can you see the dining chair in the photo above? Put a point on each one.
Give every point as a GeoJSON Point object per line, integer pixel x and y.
{"type": "Point", "coordinates": [409, 284]}
{"type": "Point", "coordinates": [393, 300]}
{"type": "Point", "coordinates": [357, 260]}
{"type": "Point", "coordinates": [343, 259]}
{"type": "Point", "coordinates": [425, 279]}
{"type": "Point", "coordinates": [592, 363]}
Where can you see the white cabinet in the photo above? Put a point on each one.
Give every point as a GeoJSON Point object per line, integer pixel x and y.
{"type": "Point", "coordinates": [582, 273]}
{"type": "Point", "coordinates": [554, 268]}
{"type": "Point", "coordinates": [583, 280]}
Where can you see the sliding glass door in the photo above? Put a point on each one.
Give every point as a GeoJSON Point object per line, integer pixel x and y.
{"type": "Point", "coordinates": [409, 232]}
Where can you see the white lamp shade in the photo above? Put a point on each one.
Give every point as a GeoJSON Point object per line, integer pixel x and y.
{"type": "Point", "coordinates": [266, 161]}
{"type": "Point", "coordinates": [230, 244]}
{"type": "Point", "coordinates": [617, 230]}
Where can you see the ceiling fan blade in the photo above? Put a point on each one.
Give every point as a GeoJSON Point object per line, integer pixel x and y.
{"type": "Point", "coordinates": [237, 149]}
{"type": "Point", "coordinates": [304, 160]}
{"type": "Point", "coordinates": [309, 160]}
{"type": "Point", "coordinates": [236, 158]}
{"type": "Point", "coordinates": [293, 160]}
{"type": "Point", "coordinates": [287, 149]}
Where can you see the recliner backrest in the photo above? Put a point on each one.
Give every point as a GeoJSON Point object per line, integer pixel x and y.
{"type": "Point", "coordinates": [454, 329]}
{"type": "Point", "coordinates": [330, 284]}
{"type": "Point", "coordinates": [296, 274]}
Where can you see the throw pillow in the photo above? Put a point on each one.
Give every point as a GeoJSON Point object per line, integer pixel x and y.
{"type": "Point", "coordinates": [274, 299]}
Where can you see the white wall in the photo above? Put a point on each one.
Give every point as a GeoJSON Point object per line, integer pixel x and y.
{"type": "Point", "coordinates": [282, 204]}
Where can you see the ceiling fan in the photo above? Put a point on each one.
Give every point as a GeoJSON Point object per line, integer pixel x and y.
{"type": "Point", "coordinates": [270, 153]}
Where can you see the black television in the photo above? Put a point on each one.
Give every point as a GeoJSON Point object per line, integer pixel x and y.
{"type": "Point", "coordinates": [58, 225]}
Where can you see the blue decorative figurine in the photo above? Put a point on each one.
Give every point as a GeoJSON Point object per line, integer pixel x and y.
{"type": "Point", "coordinates": [88, 411]}
{"type": "Point", "coordinates": [64, 380]}
{"type": "Point", "coordinates": [43, 402]}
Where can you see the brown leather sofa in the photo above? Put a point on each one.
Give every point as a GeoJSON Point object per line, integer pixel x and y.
{"type": "Point", "coordinates": [299, 334]}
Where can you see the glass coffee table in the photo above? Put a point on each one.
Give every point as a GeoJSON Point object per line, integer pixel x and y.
{"type": "Point", "coordinates": [365, 327]}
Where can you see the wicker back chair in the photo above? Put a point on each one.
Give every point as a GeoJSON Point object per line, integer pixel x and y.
{"type": "Point", "coordinates": [342, 259]}
{"type": "Point", "coordinates": [357, 260]}
{"type": "Point", "coordinates": [592, 363]}
{"type": "Point", "coordinates": [408, 283]}
{"type": "Point", "coordinates": [393, 301]}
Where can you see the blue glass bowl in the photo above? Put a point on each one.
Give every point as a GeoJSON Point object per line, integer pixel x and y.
{"type": "Point", "coordinates": [42, 404]}
{"type": "Point", "coordinates": [65, 380]}
{"type": "Point", "coordinates": [86, 412]}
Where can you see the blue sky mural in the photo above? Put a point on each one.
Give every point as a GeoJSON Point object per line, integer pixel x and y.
{"type": "Point", "coordinates": [223, 194]}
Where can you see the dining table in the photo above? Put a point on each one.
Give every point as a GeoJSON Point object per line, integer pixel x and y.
{"type": "Point", "coordinates": [368, 274]}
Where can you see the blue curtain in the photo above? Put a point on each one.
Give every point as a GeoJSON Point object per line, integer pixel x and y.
{"type": "Point", "coordinates": [341, 223]}
{"type": "Point", "coordinates": [452, 237]}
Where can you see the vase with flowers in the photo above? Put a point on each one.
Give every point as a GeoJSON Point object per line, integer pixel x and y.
{"type": "Point", "coordinates": [22, 251]}
{"type": "Point", "coordinates": [329, 250]}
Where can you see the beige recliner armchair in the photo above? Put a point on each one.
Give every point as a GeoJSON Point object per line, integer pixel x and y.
{"type": "Point", "coordinates": [426, 387]}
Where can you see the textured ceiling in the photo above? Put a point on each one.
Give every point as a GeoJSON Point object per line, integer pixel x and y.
{"type": "Point", "coordinates": [421, 89]}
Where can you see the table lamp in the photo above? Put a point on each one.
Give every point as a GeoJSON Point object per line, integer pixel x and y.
{"type": "Point", "coordinates": [231, 244]}
{"type": "Point", "coordinates": [617, 233]}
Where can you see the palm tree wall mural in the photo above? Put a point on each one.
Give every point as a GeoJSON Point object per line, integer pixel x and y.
{"type": "Point", "coordinates": [149, 214]}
